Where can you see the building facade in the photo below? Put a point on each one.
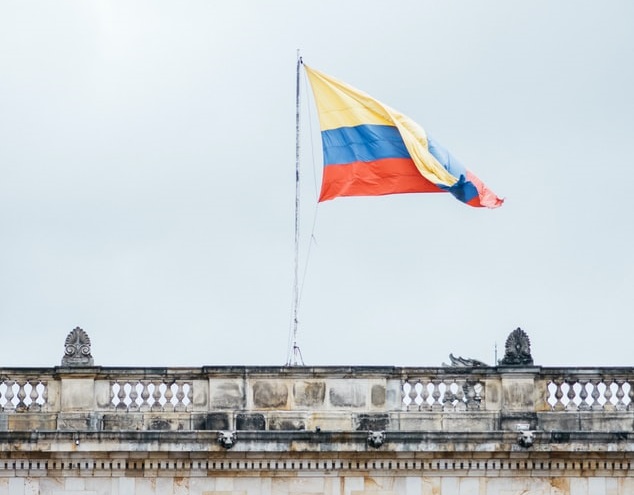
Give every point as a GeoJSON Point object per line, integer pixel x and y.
{"type": "Point", "coordinates": [462, 429]}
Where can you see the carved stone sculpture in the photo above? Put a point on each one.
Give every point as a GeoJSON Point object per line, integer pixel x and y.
{"type": "Point", "coordinates": [460, 362]}
{"type": "Point", "coordinates": [517, 349]}
{"type": "Point", "coordinates": [376, 438]}
{"type": "Point", "coordinates": [227, 438]}
{"type": "Point", "coordinates": [77, 349]}
{"type": "Point", "coordinates": [525, 439]}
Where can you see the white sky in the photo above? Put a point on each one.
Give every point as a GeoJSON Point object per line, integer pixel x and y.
{"type": "Point", "coordinates": [147, 155]}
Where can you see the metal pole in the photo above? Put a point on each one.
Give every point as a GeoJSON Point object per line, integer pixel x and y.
{"type": "Point", "coordinates": [295, 352]}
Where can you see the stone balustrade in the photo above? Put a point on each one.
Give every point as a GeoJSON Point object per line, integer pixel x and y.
{"type": "Point", "coordinates": [306, 398]}
{"type": "Point", "coordinates": [460, 429]}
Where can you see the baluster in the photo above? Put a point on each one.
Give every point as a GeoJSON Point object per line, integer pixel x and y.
{"type": "Point", "coordinates": [145, 395]}
{"type": "Point", "coordinates": [405, 398]}
{"type": "Point", "coordinates": [21, 406]}
{"type": "Point", "coordinates": [413, 393]}
{"type": "Point", "coordinates": [469, 393]}
{"type": "Point", "coordinates": [121, 396]}
{"type": "Point", "coordinates": [572, 395]}
{"type": "Point", "coordinates": [461, 404]}
{"type": "Point", "coordinates": [596, 394]}
{"type": "Point", "coordinates": [424, 396]}
{"type": "Point", "coordinates": [156, 395]}
{"type": "Point", "coordinates": [180, 395]}
{"type": "Point", "coordinates": [9, 395]}
{"type": "Point", "coordinates": [436, 394]}
{"type": "Point", "coordinates": [620, 394]}
{"type": "Point", "coordinates": [583, 395]}
{"type": "Point", "coordinates": [169, 394]}
{"type": "Point", "coordinates": [609, 405]}
{"type": "Point", "coordinates": [134, 394]}
{"type": "Point", "coordinates": [478, 388]}
{"type": "Point", "coordinates": [448, 399]}
{"type": "Point", "coordinates": [630, 395]}
{"type": "Point", "coordinates": [33, 398]}
{"type": "Point", "coordinates": [558, 395]}
{"type": "Point", "coordinates": [190, 395]}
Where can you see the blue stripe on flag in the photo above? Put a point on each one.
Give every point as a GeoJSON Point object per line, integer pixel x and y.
{"type": "Point", "coordinates": [363, 143]}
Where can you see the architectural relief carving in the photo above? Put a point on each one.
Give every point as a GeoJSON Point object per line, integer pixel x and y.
{"type": "Point", "coordinates": [227, 438]}
{"type": "Point", "coordinates": [525, 438]}
{"type": "Point", "coordinates": [376, 438]}
{"type": "Point", "coordinates": [517, 349]}
{"type": "Point", "coordinates": [460, 362]}
{"type": "Point", "coordinates": [77, 349]}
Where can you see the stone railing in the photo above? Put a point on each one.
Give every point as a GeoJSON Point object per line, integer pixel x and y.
{"type": "Point", "coordinates": [326, 398]}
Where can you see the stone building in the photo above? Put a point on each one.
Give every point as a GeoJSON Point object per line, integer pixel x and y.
{"type": "Point", "coordinates": [462, 429]}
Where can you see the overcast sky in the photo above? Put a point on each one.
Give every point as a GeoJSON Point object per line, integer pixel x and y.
{"type": "Point", "coordinates": [147, 156]}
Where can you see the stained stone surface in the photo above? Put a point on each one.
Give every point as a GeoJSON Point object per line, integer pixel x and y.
{"type": "Point", "coordinates": [270, 394]}
{"type": "Point", "coordinates": [309, 394]}
{"type": "Point", "coordinates": [304, 430]}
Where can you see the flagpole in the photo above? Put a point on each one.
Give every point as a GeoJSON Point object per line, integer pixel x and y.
{"type": "Point", "coordinates": [295, 354]}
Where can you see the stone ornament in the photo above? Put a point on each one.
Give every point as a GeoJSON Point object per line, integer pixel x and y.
{"type": "Point", "coordinates": [376, 438]}
{"type": "Point", "coordinates": [460, 362]}
{"type": "Point", "coordinates": [77, 349]}
{"type": "Point", "coordinates": [517, 349]}
{"type": "Point", "coordinates": [227, 438]}
{"type": "Point", "coordinates": [525, 439]}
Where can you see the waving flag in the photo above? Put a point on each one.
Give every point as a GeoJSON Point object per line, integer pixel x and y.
{"type": "Point", "coordinates": [371, 150]}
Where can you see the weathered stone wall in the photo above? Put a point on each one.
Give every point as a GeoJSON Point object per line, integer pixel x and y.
{"type": "Point", "coordinates": [317, 483]}
{"type": "Point", "coordinates": [467, 429]}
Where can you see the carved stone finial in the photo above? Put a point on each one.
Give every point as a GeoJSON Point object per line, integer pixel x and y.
{"type": "Point", "coordinates": [77, 349]}
{"type": "Point", "coordinates": [460, 362]}
{"type": "Point", "coordinates": [517, 349]}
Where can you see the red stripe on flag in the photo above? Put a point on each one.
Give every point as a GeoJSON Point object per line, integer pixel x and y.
{"type": "Point", "coordinates": [387, 176]}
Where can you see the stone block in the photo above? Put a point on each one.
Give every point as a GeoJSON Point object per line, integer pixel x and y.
{"type": "Point", "coordinates": [458, 422]}
{"type": "Point", "coordinates": [393, 397]}
{"type": "Point", "coordinates": [167, 421]}
{"type": "Point", "coordinates": [80, 421]}
{"type": "Point", "coordinates": [518, 394]}
{"type": "Point", "coordinates": [270, 394]}
{"type": "Point", "coordinates": [53, 395]}
{"type": "Point", "coordinates": [416, 421]}
{"type": "Point", "coordinates": [159, 423]}
{"type": "Point", "coordinates": [309, 394]}
{"type": "Point", "coordinates": [515, 421]}
{"type": "Point", "coordinates": [375, 422]}
{"type": "Point", "coordinates": [28, 421]}
{"type": "Point", "coordinates": [286, 422]}
{"type": "Point", "coordinates": [377, 395]}
{"type": "Point", "coordinates": [492, 395]}
{"type": "Point", "coordinates": [348, 394]}
{"type": "Point", "coordinates": [120, 422]}
{"type": "Point", "coordinates": [558, 421]}
{"type": "Point", "coordinates": [606, 421]}
{"type": "Point", "coordinates": [329, 422]}
{"type": "Point", "coordinates": [78, 394]}
{"type": "Point", "coordinates": [102, 394]}
{"type": "Point", "coordinates": [250, 421]}
{"type": "Point", "coordinates": [211, 421]}
{"type": "Point", "coordinates": [200, 393]}
{"type": "Point", "coordinates": [226, 394]}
